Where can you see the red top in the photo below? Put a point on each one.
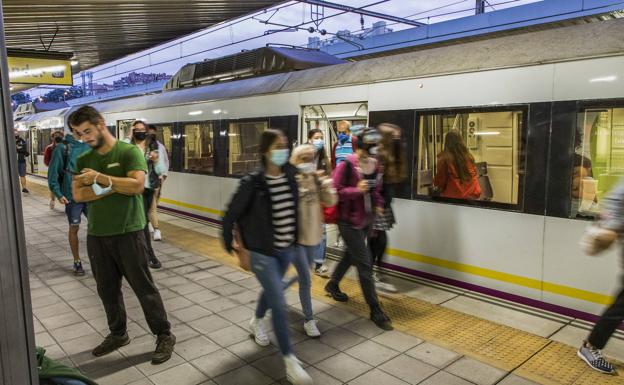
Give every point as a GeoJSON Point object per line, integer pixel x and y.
{"type": "Point", "coordinates": [47, 153]}
{"type": "Point", "coordinates": [451, 186]}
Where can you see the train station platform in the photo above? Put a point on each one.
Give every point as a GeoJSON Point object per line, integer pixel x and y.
{"type": "Point", "coordinates": [443, 336]}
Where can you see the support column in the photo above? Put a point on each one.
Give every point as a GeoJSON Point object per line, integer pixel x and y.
{"type": "Point", "coordinates": [17, 341]}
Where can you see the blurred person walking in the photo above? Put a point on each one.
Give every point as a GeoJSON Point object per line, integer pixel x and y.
{"type": "Point", "coordinates": [358, 182]}
{"type": "Point", "coordinates": [391, 156]}
{"type": "Point", "coordinates": [264, 208]}
{"type": "Point", "coordinates": [315, 188]}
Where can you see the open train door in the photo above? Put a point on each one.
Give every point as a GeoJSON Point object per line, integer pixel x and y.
{"type": "Point", "coordinates": [326, 117]}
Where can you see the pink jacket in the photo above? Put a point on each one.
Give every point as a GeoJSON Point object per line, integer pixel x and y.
{"type": "Point", "coordinates": [352, 207]}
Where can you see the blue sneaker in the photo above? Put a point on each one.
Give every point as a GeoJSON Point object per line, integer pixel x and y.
{"type": "Point", "coordinates": [593, 357]}
{"type": "Point", "coordinates": [78, 270]}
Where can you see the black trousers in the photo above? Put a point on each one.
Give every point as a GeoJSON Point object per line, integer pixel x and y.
{"type": "Point", "coordinates": [608, 323]}
{"type": "Point", "coordinates": [357, 254]}
{"type": "Point", "coordinates": [125, 256]}
{"type": "Point", "coordinates": [148, 198]}
{"type": "Point", "coordinates": [377, 242]}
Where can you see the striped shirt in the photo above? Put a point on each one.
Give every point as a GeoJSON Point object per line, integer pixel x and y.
{"type": "Point", "coordinates": [283, 209]}
{"type": "Point", "coordinates": [343, 150]}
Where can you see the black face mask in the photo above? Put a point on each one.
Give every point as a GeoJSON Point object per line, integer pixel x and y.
{"type": "Point", "coordinates": [58, 139]}
{"type": "Point", "coordinates": [140, 135]}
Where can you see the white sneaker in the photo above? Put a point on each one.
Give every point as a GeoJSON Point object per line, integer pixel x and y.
{"type": "Point", "coordinates": [259, 332]}
{"type": "Point", "coordinates": [385, 286]}
{"type": "Point", "coordinates": [150, 227]}
{"type": "Point", "coordinates": [157, 235]}
{"type": "Point", "coordinates": [311, 328]}
{"type": "Point", "coordinates": [295, 374]}
{"type": "Point", "coordinates": [322, 271]}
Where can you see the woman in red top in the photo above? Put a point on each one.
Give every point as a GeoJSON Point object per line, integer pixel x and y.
{"type": "Point", "coordinates": [456, 176]}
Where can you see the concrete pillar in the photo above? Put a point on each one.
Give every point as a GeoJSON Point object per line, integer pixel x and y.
{"type": "Point", "coordinates": [17, 341]}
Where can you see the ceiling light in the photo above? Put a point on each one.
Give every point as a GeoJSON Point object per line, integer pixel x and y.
{"type": "Point", "coordinates": [217, 111]}
{"type": "Point", "coordinates": [488, 133]}
{"type": "Point", "coordinates": [74, 63]}
{"type": "Point", "coordinates": [198, 112]}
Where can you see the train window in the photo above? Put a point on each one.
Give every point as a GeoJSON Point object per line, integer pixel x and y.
{"type": "Point", "coordinates": [598, 157]}
{"type": "Point", "coordinates": [198, 148]}
{"type": "Point", "coordinates": [493, 158]}
{"type": "Point", "coordinates": [163, 135]}
{"type": "Point", "coordinates": [244, 138]}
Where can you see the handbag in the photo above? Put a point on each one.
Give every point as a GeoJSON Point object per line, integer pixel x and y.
{"type": "Point", "coordinates": [330, 214]}
{"type": "Point", "coordinates": [244, 258]}
{"type": "Point", "coordinates": [597, 239]}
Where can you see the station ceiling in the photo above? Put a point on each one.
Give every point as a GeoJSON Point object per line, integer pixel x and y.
{"type": "Point", "coordinates": [99, 31]}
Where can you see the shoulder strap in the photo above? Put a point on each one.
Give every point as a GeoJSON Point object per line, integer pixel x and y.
{"type": "Point", "coordinates": [66, 156]}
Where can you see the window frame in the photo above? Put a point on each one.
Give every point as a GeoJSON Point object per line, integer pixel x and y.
{"type": "Point", "coordinates": [581, 107]}
{"type": "Point", "coordinates": [159, 128]}
{"type": "Point", "coordinates": [182, 128]}
{"type": "Point", "coordinates": [263, 119]}
{"type": "Point", "coordinates": [522, 163]}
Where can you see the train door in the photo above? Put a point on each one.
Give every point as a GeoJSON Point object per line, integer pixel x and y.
{"type": "Point", "coordinates": [124, 129]}
{"type": "Point", "coordinates": [33, 143]}
{"type": "Point", "coordinates": [326, 117]}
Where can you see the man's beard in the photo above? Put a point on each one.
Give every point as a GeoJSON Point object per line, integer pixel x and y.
{"type": "Point", "coordinates": [99, 143]}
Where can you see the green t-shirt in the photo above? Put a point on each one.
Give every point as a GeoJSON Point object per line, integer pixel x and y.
{"type": "Point", "coordinates": [116, 213]}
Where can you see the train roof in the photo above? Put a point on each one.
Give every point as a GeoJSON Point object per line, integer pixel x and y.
{"type": "Point", "coordinates": [523, 49]}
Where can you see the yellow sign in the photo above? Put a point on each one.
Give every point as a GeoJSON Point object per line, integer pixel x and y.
{"type": "Point", "coordinates": [27, 70]}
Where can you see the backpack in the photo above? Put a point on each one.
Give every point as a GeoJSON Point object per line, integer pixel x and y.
{"type": "Point", "coordinates": [47, 155]}
{"type": "Point", "coordinates": [66, 170]}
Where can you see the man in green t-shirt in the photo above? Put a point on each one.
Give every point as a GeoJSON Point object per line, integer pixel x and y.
{"type": "Point", "coordinates": [111, 178]}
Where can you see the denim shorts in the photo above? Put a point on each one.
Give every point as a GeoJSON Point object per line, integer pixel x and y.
{"type": "Point", "coordinates": [21, 168]}
{"type": "Point", "coordinates": [74, 210]}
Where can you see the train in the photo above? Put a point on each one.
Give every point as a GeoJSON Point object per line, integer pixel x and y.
{"type": "Point", "coordinates": [541, 109]}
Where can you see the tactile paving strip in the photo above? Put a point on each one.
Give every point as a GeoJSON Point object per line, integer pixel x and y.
{"type": "Point", "coordinates": [530, 356]}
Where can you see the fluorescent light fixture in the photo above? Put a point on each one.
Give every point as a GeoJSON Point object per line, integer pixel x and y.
{"type": "Point", "coordinates": [217, 111]}
{"type": "Point", "coordinates": [488, 133]}
{"type": "Point", "coordinates": [197, 112]}
{"type": "Point", "coordinates": [232, 134]}
{"type": "Point", "coordinates": [73, 63]}
{"type": "Point", "coordinates": [603, 79]}
{"type": "Point", "coordinates": [11, 88]}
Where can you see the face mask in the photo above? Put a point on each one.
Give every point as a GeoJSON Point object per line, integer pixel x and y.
{"type": "Point", "coordinates": [343, 137]}
{"type": "Point", "coordinates": [372, 150]}
{"type": "Point", "coordinates": [306, 168]}
{"type": "Point", "coordinates": [58, 139]}
{"type": "Point", "coordinates": [99, 190]}
{"type": "Point", "coordinates": [318, 144]}
{"type": "Point", "coordinates": [140, 135]}
{"type": "Point", "coordinates": [279, 157]}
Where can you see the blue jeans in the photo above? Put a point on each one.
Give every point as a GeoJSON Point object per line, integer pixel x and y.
{"type": "Point", "coordinates": [270, 270]}
{"type": "Point", "coordinates": [304, 257]}
{"type": "Point", "coordinates": [320, 256]}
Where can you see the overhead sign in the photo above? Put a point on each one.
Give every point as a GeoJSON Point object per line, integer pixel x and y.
{"type": "Point", "coordinates": [28, 70]}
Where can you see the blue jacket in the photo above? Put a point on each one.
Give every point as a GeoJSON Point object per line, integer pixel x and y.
{"type": "Point", "coordinates": [56, 173]}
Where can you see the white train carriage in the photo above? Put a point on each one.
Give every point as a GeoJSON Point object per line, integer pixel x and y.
{"type": "Point", "coordinates": [542, 112]}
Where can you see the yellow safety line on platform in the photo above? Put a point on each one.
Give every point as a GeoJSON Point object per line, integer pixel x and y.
{"type": "Point", "coordinates": [192, 206]}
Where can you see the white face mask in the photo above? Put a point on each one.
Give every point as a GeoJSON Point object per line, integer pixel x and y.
{"type": "Point", "coordinates": [99, 190]}
{"type": "Point", "coordinates": [306, 168]}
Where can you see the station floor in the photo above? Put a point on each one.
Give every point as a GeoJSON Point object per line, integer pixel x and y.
{"type": "Point", "coordinates": [443, 336]}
